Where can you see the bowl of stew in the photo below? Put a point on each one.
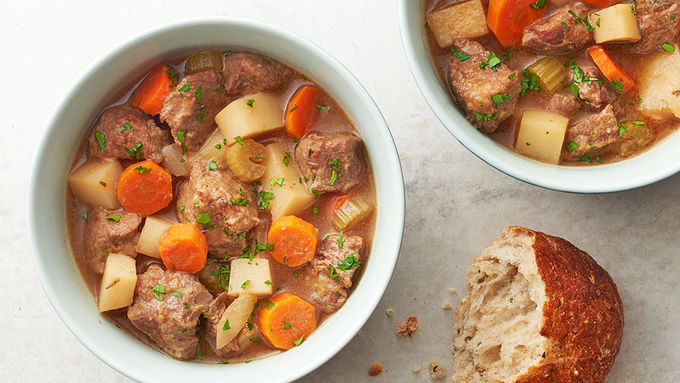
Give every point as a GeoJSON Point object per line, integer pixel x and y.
{"type": "Point", "coordinates": [572, 96]}
{"type": "Point", "coordinates": [216, 198]}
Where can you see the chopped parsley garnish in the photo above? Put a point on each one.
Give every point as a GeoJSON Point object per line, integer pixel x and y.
{"type": "Point", "coordinates": [286, 325]}
{"type": "Point", "coordinates": [299, 341]}
{"type": "Point", "coordinates": [220, 88]}
{"type": "Point", "coordinates": [142, 169]}
{"type": "Point", "coordinates": [212, 165]}
{"type": "Point", "coordinates": [198, 93]}
{"type": "Point", "coordinates": [584, 159]}
{"type": "Point", "coordinates": [286, 158]}
{"type": "Point", "coordinates": [126, 126]}
{"type": "Point", "coordinates": [173, 76]}
{"type": "Point", "coordinates": [263, 198]}
{"type": "Point", "coordinates": [579, 75]}
{"type": "Point", "coordinates": [239, 140]}
{"type": "Point", "coordinates": [350, 262]}
{"type": "Point", "coordinates": [186, 306]}
{"type": "Point", "coordinates": [315, 210]}
{"type": "Point", "coordinates": [485, 116]}
{"type": "Point", "coordinates": [322, 107]}
{"type": "Point", "coordinates": [157, 291]}
{"type": "Point", "coordinates": [316, 194]}
{"type": "Point", "coordinates": [85, 215]}
{"type": "Point", "coordinates": [617, 85]}
{"type": "Point", "coordinates": [113, 217]}
{"type": "Point", "coordinates": [101, 139]}
{"type": "Point", "coordinates": [135, 151]}
{"type": "Point", "coordinates": [539, 4]}
{"type": "Point", "coordinates": [268, 283]}
{"type": "Point", "coordinates": [176, 293]}
{"type": "Point", "coordinates": [228, 53]}
{"type": "Point", "coordinates": [512, 75]}
{"type": "Point", "coordinates": [332, 273]}
{"type": "Point", "coordinates": [184, 88]}
{"type": "Point", "coordinates": [292, 109]}
{"type": "Point", "coordinates": [268, 304]}
{"type": "Point", "coordinates": [250, 102]}
{"type": "Point", "coordinates": [276, 181]}
{"type": "Point", "coordinates": [239, 202]}
{"type": "Point", "coordinates": [226, 325]}
{"type": "Point", "coordinates": [529, 82]}
{"type": "Point", "coordinates": [334, 177]}
{"type": "Point", "coordinates": [493, 62]}
{"type": "Point", "coordinates": [181, 138]}
{"type": "Point", "coordinates": [181, 208]}
{"type": "Point", "coordinates": [204, 219]}
{"type": "Point", "coordinates": [668, 47]}
{"type": "Point", "coordinates": [461, 56]}
{"type": "Point", "coordinates": [572, 146]}
{"type": "Point", "coordinates": [200, 116]}
{"type": "Point", "coordinates": [499, 98]}
{"type": "Point", "coordinates": [244, 284]}
{"type": "Point", "coordinates": [256, 339]}
{"type": "Point", "coordinates": [208, 313]}
{"type": "Point", "coordinates": [340, 240]}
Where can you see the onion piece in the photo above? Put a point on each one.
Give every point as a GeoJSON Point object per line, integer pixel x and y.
{"type": "Point", "coordinates": [174, 161]}
{"type": "Point", "coordinates": [237, 314]}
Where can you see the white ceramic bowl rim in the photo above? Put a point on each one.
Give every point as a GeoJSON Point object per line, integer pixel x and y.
{"type": "Point", "coordinates": [651, 166]}
{"type": "Point", "coordinates": [47, 195]}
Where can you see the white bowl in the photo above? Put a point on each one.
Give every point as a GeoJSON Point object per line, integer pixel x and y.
{"type": "Point", "coordinates": [60, 277]}
{"type": "Point", "coordinates": [656, 164]}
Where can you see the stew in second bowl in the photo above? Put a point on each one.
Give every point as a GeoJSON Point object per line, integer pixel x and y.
{"type": "Point", "coordinates": [563, 82]}
{"type": "Point", "coordinates": [222, 207]}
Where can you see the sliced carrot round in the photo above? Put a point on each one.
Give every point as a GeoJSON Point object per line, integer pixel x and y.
{"type": "Point", "coordinates": [294, 240]}
{"type": "Point", "coordinates": [287, 321]}
{"type": "Point", "coordinates": [302, 111]}
{"type": "Point", "coordinates": [144, 188]}
{"type": "Point", "coordinates": [152, 91]}
{"type": "Point", "coordinates": [508, 19]}
{"type": "Point", "coordinates": [183, 247]}
{"type": "Point", "coordinates": [618, 77]}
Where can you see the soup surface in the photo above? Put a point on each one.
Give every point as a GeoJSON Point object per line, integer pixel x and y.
{"type": "Point", "coordinates": [222, 207]}
{"type": "Point", "coordinates": [564, 82]}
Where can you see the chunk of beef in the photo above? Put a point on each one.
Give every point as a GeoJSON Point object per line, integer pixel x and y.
{"type": "Point", "coordinates": [596, 135]}
{"type": "Point", "coordinates": [192, 106]}
{"type": "Point", "coordinates": [557, 33]}
{"type": "Point", "coordinates": [218, 306]}
{"type": "Point", "coordinates": [564, 103]}
{"type": "Point", "coordinates": [595, 94]}
{"type": "Point", "coordinates": [171, 320]}
{"type": "Point", "coordinates": [248, 73]}
{"type": "Point", "coordinates": [330, 293]}
{"type": "Point", "coordinates": [117, 234]}
{"type": "Point", "coordinates": [478, 80]}
{"type": "Point", "coordinates": [331, 162]}
{"type": "Point", "coordinates": [659, 23]}
{"type": "Point", "coordinates": [329, 253]}
{"type": "Point", "coordinates": [225, 206]}
{"type": "Point", "coordinates": [123, 128]}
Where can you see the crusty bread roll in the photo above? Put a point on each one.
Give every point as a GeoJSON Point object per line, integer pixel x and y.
{"type": "Point", "coordinates": [538, 310]}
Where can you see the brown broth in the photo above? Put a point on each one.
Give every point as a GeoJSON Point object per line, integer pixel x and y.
{"type": "Point", "coordinates": [284, 278]}
{"type": "Point", "coordinates": [521, 58]}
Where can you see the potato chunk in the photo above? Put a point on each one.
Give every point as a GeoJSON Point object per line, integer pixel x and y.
{"type": "Point", "coordinates": [462, 20]}
{"type": "Point", "coordinates": [659, 85]}
{"type": "Point", "coordinates": [117, 289]}
{"type": "Point", "coordinates": [253, 275]}
{"type": "Point", "coordinates": [213, 149]}
{"type": "Point", "coordinates": [616, 23]}
{"type": "Point", "coordinates": [250, 116]}
{"type": "Point", "coordinates": [282, 179]}
{"type": "Point", "coordinates": [541, 135]}
{"type": "Point", "coordinates": [95, 181]}
{"type": "Point", "coordinates": [150, 236]}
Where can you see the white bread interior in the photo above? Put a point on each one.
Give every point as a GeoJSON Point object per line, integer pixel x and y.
{"type": "Point", "coordinates": [496, 336]}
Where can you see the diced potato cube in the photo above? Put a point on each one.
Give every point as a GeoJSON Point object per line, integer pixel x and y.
{"type": "Point", "coordinates": [95, 182]}
{"type": "Point", "coordinates": [616, 23]}
{"type": "Point", "coordinates": [250, 116]}
{"type": "Point", "coordinates": [291, 196]}
{"type": "Point", "coordinates": [461, 20]}
{"type": "Point", "coordinates": [251, 275]}
{"type": "Point", "coordinates": [150, 236]}
{"type": "Point", "coordinates": [659, 85]}
{"type": "Point", "coordinates": [234, 318]}
{"type": "Point", "coordinates": [117, 289]}
{"type": "Point", "coordinates": [541, 135]}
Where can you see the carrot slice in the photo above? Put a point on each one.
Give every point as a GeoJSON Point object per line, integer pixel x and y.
{"type": "Point", "coordinates": [144, 188]}
{"type": "Point", "coordinates": [294, 240]}
{"type": "Point", "coordinates": [508, 19]}
{"type": "Point", "coordinates": [287, 321]}
{"type": "Point", "coordinates": [183, 247]}
{"type": "Point", "coordinates": [619, 79]}
{"type": "Point", "coordinates": [151, 92]}
{"type": "Point", "coordinates": [301, 111]}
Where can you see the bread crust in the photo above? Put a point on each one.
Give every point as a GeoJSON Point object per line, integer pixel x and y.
{"type": "Point", "coordinates": [582, 316]}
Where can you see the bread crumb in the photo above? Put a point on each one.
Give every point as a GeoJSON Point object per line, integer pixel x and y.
{"type": "Point", "coordinates": [389, 312]}
{"type": "Point", "coordinates": [416, 370]}
{"type": "Point", "coordinates": [408, 327]}
{"type": "Point", "coordinates": [376, 369]}
{"type": "Point", "coordinates": [453, 291]}
{"type": "Point", "coordinates": [436, 371]}
{"type": "Point", "coordinates": [446, 306]}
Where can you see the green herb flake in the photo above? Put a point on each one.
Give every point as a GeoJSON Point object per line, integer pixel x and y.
{"type": "Point", "coordinates": [239, 202]}
{"type": "Point", "coordinates": [668, 47]}
{"type": "Point", "coordinates": [212, 165]}
{"type": "Point", "coordinates": [617, 85]}
{"type": "Point", "coordinates": [299, 341]}
{"type": "Point", "coordinates": [101, 139]}
{"type": "Point", "coordinates": [85, 215]}
{"type": "Point", "coordinates": [256, 339]}
{"type": "Point", "coordinates": [226, 325]}
{"type": "Point", "coordinates": [572, 146]}
{"type": "Point", "coordinates": [286, 325]}
{"type": "Point", "coordinates": [461, 56]}
{"type": "Point", "coordinates": [539, 4]}
{"type": "Point", "coordinates": [239, 140]}
{"type": "Point", "coordinates": [499, 98]}
{"type": "Point", "coordinates": [350, 262]}
{"type": "Point", "coordinates": [276, 181]}
{"type": "Point", "coordinates": [142, 169]}
{"type": "Point", "coordinates": [181, 134]}
{"type": "Point", "coordinates": [315, 210]}
{"type": "Point", "coordinates": [322, 107]}
{"type": "Point", "coordinates": [176, 293]}
{"type": "Point", "coordinates": [250, 102]}
{"type": "Point", "coordinates": [204, 219]}
{"type": "Point", "coordinates": [115, 218]}
{"type": "Point", "coordinates": [340, 240]}
{"type": "Point", "coordinates": [244, 284]}
{"type": "Point", "coordinates": [126, 126]}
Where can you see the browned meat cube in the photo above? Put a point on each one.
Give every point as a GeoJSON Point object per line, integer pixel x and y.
{"type": "Point", "coordinates": [190, 109]}
{"type": "Point", "coordinates": [596, 135]}
{"type": "Point", "coordinates": [557, 33]}
{"type": "Point", "coordinates": [563, 103]}
{"type": "Point", "coordinates": [107, 232]}
{"type": "Point", "coordinates": [597, 91]}
{"type": "Point", "coordinates": [485, 87]}
{"type": "Point", "coordinates": [169, 319]}
{"type": "Point", "coordinates": [248, 73]}
{"type": "Point", "coordinates": [126, 132]}
{"type": "Point", "coordinates": [659, 23]}
{"type": "Point", "coordinates": [331, 162]}
{"type": "Point", "coordinates": [220, 204]}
